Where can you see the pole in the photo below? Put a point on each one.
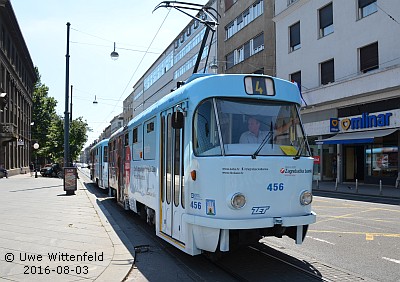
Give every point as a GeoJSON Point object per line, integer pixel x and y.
{"type": "Point", "coordinates": [66, 114]}
{"type": "Point", "coordinates": [70, 108]}
{"type": "Point", "coordinates": [36, 166]}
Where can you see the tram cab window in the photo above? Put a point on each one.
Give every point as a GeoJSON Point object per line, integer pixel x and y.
{"type": "Point", "coordinates": [205, 132]}
{"type": "Point", "coordinates": [278, 125]}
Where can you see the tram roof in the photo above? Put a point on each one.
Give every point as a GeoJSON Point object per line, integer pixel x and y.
{"type": "Point", "coordinates": [201, 86]}
{"type": "Point", "coordinates": [100, 143]}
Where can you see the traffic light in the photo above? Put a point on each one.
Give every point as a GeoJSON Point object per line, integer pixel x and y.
{"type": "Point", "coordinates": [3, 101]}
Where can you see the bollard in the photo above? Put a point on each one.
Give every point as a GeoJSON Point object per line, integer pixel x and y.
{"type": "Point", "coordinates": [380, 187]}
{"type": "Point", "coordinates": [317, 184]}
{"type": "Point", "coordinates": [336, 184]}
{"type": "Point", "coordinates": [356, 185]}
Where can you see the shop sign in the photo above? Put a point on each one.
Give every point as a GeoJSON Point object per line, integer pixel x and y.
{"type": "Point", "coordinates": [364, 121]}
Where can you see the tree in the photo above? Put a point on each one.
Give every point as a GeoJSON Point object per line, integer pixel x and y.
{"type": "Point", "coordinates": [48, 129]}
{"type": "Point", "coordinates": [43, 114]}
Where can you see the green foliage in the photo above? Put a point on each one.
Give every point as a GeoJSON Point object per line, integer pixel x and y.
{"type": "Point", "coordinates": [48, 129]}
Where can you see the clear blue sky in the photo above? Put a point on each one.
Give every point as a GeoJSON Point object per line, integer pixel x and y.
{"type": "Point", "coordinates": [95, 26]}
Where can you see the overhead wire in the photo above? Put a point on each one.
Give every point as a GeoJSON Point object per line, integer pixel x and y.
{"type": "Point", "coordinates": [138, 65]}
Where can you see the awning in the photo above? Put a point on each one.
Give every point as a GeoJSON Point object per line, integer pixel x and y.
{"type": "Point", "coordinates": [356, 137]}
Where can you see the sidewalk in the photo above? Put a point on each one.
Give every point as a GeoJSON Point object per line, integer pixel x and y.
{"type": "Point", "coordinates": [359, 189]}
{"type": "Point", "coordinates": [46, 235]}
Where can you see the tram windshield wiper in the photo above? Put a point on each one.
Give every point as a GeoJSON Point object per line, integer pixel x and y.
{"type": "Point", "coordinates": [268, 137]}
{"type": "Point", "coordinates": [300, 150]}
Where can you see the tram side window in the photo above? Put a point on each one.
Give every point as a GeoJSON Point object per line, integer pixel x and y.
{"type": "Point", "coordinates": [205, 131]}
{"type": "Point", "coordinates": [149, 140]}
{"type": "Point", "coordinates": [105, 154]}
{"type": "Point", "coordinates": [137, 143]}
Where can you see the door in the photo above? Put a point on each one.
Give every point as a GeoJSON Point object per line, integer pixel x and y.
{"type": "Point", "coordinates": [172, 186]}
{"type": "Point", "coordinates": [354, 163]}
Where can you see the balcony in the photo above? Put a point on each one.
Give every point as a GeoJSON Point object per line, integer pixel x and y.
{"type": "Point", "coordinates": [8, 132]}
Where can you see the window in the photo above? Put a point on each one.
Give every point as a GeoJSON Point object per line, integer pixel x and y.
{"type": "Point", "coordinates": [295, 37]}
{"type": "Point", "coordinates": [137, 144]}
{"type": "Point", "coordinates": [326, 20]}
{"type": "Point", "coordinates": [105, 157]}
{"type": "Point", "coordinates": [229, 60]}
{"type": "Point", "coordinates": [366, 8]}
{"type": "Point", "coordinates": [275, 122]}
{"type": "Point", "coordinates": [369, 59]}
{"type": "Point", "coordinates": [246, 50]}
{"type": "Point", "coordinates": [149, 140]}
{"type": "Point", "coordinates": [230, 30]}
{"type": "Point", "coordinates": [258, 43]}
{"type": "Point", "coordinates": [327, 72]}
{"type": "Point", "coordinates": [296, 77]}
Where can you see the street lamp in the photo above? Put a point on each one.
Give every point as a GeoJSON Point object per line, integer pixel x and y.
{"type": "Point", "coordinates": [114, 55]}
{"type": "Point", "coordinates": [66, 113]}
{"type": "Point", "coordinates": [36, 146]}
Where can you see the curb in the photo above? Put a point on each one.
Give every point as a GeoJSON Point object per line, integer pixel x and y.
{"type": "Point", "coordinates": [122, 260]}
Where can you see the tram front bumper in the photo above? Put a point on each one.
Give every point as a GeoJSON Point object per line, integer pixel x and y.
{"type": "Point", "coordinates": [249, 223]}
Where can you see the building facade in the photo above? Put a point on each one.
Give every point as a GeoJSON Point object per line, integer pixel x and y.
{"type": "Point", "coordinates": [175, 64]}
{"type": "Point", "coordinates": [344, 55]}
{"type": "Point", "coordinates": [246, 37]}
{"type": "Point", "coordinates": [17, 78]}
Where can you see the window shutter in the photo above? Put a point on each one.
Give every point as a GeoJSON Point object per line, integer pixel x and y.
{"type": "Point", "coordinates": [326, 16]}
{"type": "Point", "coordinates": [364, 3]}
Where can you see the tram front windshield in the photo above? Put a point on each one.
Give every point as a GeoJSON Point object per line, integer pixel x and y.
{"type": "Point", "coordinates": [243, 127]}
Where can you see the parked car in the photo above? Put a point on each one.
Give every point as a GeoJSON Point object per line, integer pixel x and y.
{"type": "Point", "coordinates": [53, 171]}
{"type": "Point", "coordinates": [44, 169]}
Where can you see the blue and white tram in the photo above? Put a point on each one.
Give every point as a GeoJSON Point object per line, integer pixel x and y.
{"type": "Point", "coordinates": [204, 186]}
{"type": "Point", "coordinates": [99, 164]}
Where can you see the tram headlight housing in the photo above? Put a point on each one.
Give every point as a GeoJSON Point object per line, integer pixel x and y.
{"type": "Point", "coordinates": [306, 198]}
{"type": "Point", "coordinates": [238, 201]}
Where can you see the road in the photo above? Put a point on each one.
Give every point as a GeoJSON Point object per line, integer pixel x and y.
{"type": "Point", "coordinates": [360, 237]}
{"type": "Point", "coordinates": [352, 240]}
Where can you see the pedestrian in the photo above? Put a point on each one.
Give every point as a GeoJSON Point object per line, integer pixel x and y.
{"type": "Point", "coordinates": [3, 170]}
{"type": "Point", "coordinates": [31, 167]}
{"type": "Point", "coordinates": [334, 167]}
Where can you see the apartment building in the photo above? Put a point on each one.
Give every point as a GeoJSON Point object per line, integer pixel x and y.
{"type": "Point", "coordinates": [246, 37]}
{"type": "Point", "coordinates": [344, 55]}
{"type": "Point", "coordinates": [175, 64]}
{"type": "Point", "coordinates": [17, 78]}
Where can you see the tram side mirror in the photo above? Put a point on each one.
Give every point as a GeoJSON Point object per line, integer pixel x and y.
{"type": "Point", "coordinates": [177, 120]}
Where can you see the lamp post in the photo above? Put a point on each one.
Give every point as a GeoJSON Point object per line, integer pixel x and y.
{"type": "Point", "coordinates": [36, 146]}
{"type": "Point", "coordinates": [66, 113]}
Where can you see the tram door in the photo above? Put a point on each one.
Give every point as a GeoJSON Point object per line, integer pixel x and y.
{"type": "Point", "coordinates": [100, 183]}
{"type": "Point", "coordinates": [172, 185]}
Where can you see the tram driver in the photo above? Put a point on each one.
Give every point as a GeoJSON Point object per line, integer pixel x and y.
{"type": "Point", "coordinates": [254, 134]}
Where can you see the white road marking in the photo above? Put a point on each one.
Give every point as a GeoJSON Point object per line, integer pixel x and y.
{"type": "Point", "coordinates": [392, 260]}
{"type": "Point", "coordinates": [321, 240]}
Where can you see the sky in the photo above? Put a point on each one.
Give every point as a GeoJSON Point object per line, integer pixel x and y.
{"type": "Point", "coordinates": [95, 26]}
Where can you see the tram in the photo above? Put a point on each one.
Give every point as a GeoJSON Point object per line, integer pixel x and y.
{"type": "Point", "coordinates": [223, 160]}
{"type": "Point", "coordinates": [99, 164]}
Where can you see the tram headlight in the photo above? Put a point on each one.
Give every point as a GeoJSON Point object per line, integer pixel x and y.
{"type": "Point", "coordinates": [238, 201]}
{"type": "Point", "coordinates": [306, 198]}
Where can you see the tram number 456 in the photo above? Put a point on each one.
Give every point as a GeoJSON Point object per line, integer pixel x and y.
{"type": "Point", "coordinates": [195, 205]}
{"type": "Point", "coordinates": [275, 187]}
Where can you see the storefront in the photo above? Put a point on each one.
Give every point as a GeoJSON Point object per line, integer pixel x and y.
{"type": "Point", "coordinates": [364, 148]}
